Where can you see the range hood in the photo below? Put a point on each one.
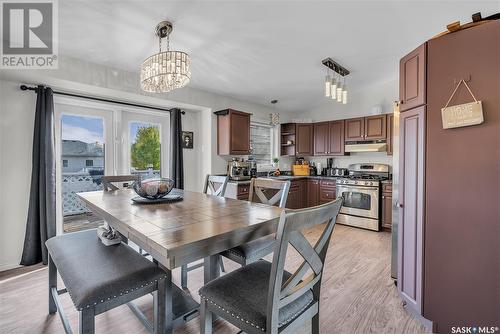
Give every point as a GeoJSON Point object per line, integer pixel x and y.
{"type": "Point", "coordinates": [366, 146]}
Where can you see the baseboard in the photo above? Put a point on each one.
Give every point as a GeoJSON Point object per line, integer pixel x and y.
{"type": "Point", "coordinates": [428, 324]}
{"type": "Point", "coordinates": [9, 266]}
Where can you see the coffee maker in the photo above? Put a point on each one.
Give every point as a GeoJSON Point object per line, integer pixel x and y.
{"type": "Point", "coordinates": [238, 170]}
{"type": "Point", "coordinates": [328, 170]}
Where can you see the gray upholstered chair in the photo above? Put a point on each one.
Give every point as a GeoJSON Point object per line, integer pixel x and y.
{"type": "Point", "coordinates": [266, 191]}
{"type": "Point", "coordinates": [108, 180]}
{"type": "Point", "coordinates": [263, 297]}
{"type": "Point", "coordinates": [99, 278]}
{"type": "Point", "coordinates": [214, 185]}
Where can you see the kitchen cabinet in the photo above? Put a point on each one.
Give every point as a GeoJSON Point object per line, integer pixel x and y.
{"type": "Point", "coordinates": [296, 195]}
{"type": "Point", "coordinates": [327, 191]}
{"type": "Point", "coordinates": [238, 190]}
{"type": "Point", "coordinates": [288, 139]}
{"type": "Point", "coordinates": [387, 205]}
{"type": "Point", "coordinates": [411, 206]}
{"type": "Point", "coordinates": [233, 132]}
{"type": "Point", "coordinates": [412, 78]}
{"type": "Point", "coordinates": [375, 127]}
{"type": "Point", "coordinates": [329, 138]}
{"type": "Point", "coordinates": [312, 193]}
{"type": "Point", "coordinates": [390, 133]}
{"type": "Point", "coordinates": [304, 137]}
{"type": "Point", "coordinates": [355, 129]}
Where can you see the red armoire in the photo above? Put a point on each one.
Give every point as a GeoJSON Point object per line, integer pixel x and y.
{"type": "Point", "coordinates": [449, 202]}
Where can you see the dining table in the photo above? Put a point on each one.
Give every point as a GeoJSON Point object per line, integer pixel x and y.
{"type": "Point", "coordinates": [198, 227]}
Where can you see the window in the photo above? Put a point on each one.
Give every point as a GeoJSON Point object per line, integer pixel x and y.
{"type": "Point", "coordinates": [145, 148]}
{"type": "Point", "coordinates": [65, 163]}
{"type": "Point", "coordinates": [261, 142]}
{"type": "Point", "coordinates": [89, 163]}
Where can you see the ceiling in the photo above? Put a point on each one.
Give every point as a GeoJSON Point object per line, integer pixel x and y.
{"type": "Point", "coordinates": [262, 50]}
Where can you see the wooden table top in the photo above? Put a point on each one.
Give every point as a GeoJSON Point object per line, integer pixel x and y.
{"type": "Point", "coordinates": [182, 232]}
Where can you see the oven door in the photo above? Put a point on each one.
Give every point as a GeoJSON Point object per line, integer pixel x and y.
{"type": "Point", "coordinates": [359, 200]}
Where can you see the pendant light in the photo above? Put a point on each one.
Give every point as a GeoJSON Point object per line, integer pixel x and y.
{"type": "Point", "coordinates": [344, 93]}
{"type": "Point", "coordinates": [327, 84]}
{"type": "Point", "coordinates": [339, 91]}
{"type": "Point", "coordinates": [334, 88]}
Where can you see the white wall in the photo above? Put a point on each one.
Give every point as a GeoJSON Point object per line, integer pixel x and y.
{"type": "Point", "coordinates": [17, 119]}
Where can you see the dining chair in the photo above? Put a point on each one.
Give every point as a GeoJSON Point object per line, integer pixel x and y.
{"type": "Point", "coordinates": [265, 191]}
{"type": "Point", "coordinates": [215, 185]}
{"type": "Point", "coordinates": [263, 297]}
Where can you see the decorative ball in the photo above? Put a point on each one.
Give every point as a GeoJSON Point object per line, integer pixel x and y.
{"type": "Point", "coordinates": [153, 188]}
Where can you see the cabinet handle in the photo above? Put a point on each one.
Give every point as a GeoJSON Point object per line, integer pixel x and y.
{"type": "Point", "coordinates": [383, 196]}
{"type": "Point", "coordinates": [399, 205]}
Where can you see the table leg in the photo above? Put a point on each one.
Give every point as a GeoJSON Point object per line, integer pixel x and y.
{"type": "Point", "coordinates": [211, 268]}
{"type": "Point", "coordinates": [169, 313]}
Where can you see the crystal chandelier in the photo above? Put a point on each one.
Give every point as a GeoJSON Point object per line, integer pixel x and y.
{"type": "Point", "coordinates": [167, 70]}
{"type": "Point", "coordinates": [333, 86]}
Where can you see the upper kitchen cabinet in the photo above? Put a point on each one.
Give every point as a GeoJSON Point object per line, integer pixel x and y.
{"type": "Point", "coordinates": [233, 132]}
{"type": "Point", "coordinates": [390, 133]}
{"type": "Point", "coordinates": [412, 78]}
{"type": "Point", "coordinates": [366, 128]}
{"type": "Point", "coordinates": [329, 138]}
{"type": "Point", "coordinates": [354, 129]}
{"type": "Point", "coordinates": [304, 136]}
{"type": "Point", "coordinates": [375, 127]}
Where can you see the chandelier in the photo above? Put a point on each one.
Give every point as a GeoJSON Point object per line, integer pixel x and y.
{"type": "Point", "coordinates": [334, 87]}
{"type": "Point", "coordinates": [167, 70]}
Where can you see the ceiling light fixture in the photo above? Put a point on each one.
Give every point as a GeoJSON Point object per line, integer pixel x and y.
{"type": "Point", "coordinates": [167, 70]}
{"type": "Point", "coordinates": [337, 91]}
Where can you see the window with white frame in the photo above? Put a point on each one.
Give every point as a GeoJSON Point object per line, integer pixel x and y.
{"type": "Point", "coordinates": [261, 142]}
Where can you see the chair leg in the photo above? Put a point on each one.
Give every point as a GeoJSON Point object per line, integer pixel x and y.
{"type": "Point", "coordinates": [315, 324]}
{"type": "Point", "coordinates": [86, 324]}
{"type": "Point", "coordinates": [221, 264]}
{"type": "Point", "coordinates": [184, 276]}
{"type": "Point", "coordinates": [52, 284]}
{"type": "Point", "coordinates": [205, 319]}
{"type": "Point", "coordinates": [159, 309]}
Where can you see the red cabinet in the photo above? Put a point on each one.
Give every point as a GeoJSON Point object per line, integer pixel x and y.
{"type": "Point", "coordinates": [312, 193]}
{"type": "Point", "coordinates": [327, 191]}
{"type": "Point", "coordinates": [387, 205]}
{"type": "Point", "coordinates": [375, 127]}
{"type": "Point", "coordinates": [296, 195]}
{"type": "Point", "coordinates": [412, 78]}
{"type": "Point", "coordinates": [321, 138]}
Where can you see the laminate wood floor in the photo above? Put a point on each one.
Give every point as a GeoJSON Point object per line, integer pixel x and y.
{"type": "Point", "coordinates": [358, 294]}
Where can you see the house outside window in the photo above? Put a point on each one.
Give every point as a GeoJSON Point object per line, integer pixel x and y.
{"type": "Point", "coordinates": [261, 143]}
{"type": "Point", "coordinates": [89, 163]}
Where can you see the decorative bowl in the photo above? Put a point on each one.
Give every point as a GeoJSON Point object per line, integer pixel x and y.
{"type": "Point", "coordinates": [153, 188]}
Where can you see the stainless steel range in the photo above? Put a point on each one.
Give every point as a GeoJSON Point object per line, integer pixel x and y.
{"type": "Point", "coordinates": [361, 194]}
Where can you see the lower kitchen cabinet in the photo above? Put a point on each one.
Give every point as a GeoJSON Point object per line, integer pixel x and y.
{"type": "Point", "coordinates": [387, 205]}
{"type": "Point", "coordinates": [296, 195]}
{"type": "Point", "coordinates": [312, 193]}
{"type": "Point", "coordinates": [238, 190]}
{"type": "Point", "coordinates": [327, 191]}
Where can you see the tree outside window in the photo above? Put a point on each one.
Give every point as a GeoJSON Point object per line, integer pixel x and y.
{"type": "Point", "coordinates": [145, 150]}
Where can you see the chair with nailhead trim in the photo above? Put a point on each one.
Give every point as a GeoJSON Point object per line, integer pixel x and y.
{"type": "Point", "coordinates": [99, 278]}
{"type": "Point", "coordinates": [263, 297]}
{"type": "Point", "coordinates": [265, 191]}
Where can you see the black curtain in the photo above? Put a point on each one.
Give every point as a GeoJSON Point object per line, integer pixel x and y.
{"type": "Point", "coordinates": [176, 160]}
{"type": "Point", "coordinates": [41, 222]}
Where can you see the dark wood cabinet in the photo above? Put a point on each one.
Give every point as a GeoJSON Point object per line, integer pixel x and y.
{"type": "Point", "coordinates": [304, 138]}
{"type": "Point", "coordinates": [375, 127]}
{"type": "Point", "coordinates": [329, 138]}
{"type": "Point", "coordinates": [312, 193]}
{"type": "Point", "coordinates": [327, 191]}
{"type": "Point", "coordinates": [296, 195]}
{"type": "Point", "coordinates": [387, 205]}
{"type": "Point", "coordinates": [412, 78]}
{"type": "Point", "coordinates": [288, 139]}
{"type": "Point", "coordinates": [321, 138]}
{"type": "Point", "coordinates": [411, 206]}
{"type": "Point", "coordinates": [354, 129]}
{"type": "Point", "coordinates": [390, 133]}
{"type": "Point", "coordinates": [233, 132]}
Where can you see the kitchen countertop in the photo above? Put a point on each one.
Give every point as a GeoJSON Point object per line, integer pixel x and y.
{"type": "Point", "coordinates": [289, 177]}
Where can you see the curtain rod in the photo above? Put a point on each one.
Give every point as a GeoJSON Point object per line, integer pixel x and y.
{"type": "Point", "coordinates": [24, 87]}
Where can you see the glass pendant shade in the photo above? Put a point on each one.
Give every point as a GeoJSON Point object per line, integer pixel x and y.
{"type": "Point", "coordinates": [334, 88]}
{"type": "Point", "coordinates": [339, 93]}
{"type": "Point", "coordinates": [165, 71]}
{"type": "Point", "coordinates": [327, 86]}
{"type": "Point", "coordinates": [344, 95]}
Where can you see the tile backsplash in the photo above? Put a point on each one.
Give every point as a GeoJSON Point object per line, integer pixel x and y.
{"type": "Point", "coordinates": [345, 161]}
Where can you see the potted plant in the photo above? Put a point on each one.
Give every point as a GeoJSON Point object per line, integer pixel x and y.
{"type": "Point", "coordinates": [276, 162]}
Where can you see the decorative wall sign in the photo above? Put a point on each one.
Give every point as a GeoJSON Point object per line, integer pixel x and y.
{"type": "Point", "coordinates": [187, 139]}
{"type": "Point", "coordinates": [462, 114]}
